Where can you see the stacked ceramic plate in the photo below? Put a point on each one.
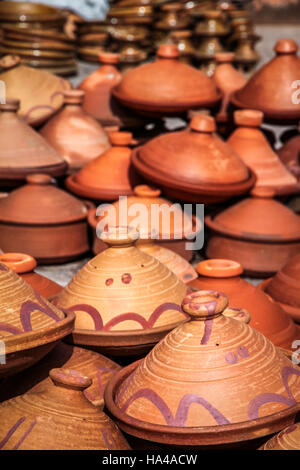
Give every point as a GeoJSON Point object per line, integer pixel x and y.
{"type": "Point", "coordinates": [92, 38]}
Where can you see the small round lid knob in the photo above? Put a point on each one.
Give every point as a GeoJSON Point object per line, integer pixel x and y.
{"type": "Point", "coordinates": [203, 123]}
{"type": "Point", "coordinates": [248, 117]}
{"type": "Point", "coordinates": [286, 46]}
{"type": "Point", "coordinates": [18, 262]}
{"type": "Point", "coordinates": [119, 138]}
{"type": "Point", "coordinates": [143, 190]}
{"type": "Point", "coordinates": [240, 314]}
{"type": "Point", "coordinates": [11, 105]}
{"type": "Point", "coordinates": [262, 192]}
{"type": "Point", "coordinates": [224, 57]}
{"type": "Point", "coordinates": [9, 61]}
{"type": "Point", "coordinates": [39, 178]}
{"type": "Point", "coordinates": [74, 96]}
{"type": "Point", "coordinates": [219, 268]}
{"type": "Point", "coordinates": [109, 58]}
{"type": "Point", "coordinates": [120, 236]}
{"type": "Point", "coordinates": [168, 51]}
{"type": "Point", "coordinates": [204, 303]}
{"type": "Point", "coordinates": [71, 379]}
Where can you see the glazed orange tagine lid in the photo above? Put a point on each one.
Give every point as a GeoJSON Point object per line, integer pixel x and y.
{"type": "Point", "coordinates": [288, 439]}
{"type": "Point", "coordinates": [266, 315]}
{"type": "Point", "coordinates": [58, 417]}
{"type": "Point", "coordinates": [108, 176]}
{"type": "Point", "coordinates": [191, 388]}
{"type": "Point", "coordinates": [252, 146]}
{"type": "Point", "coordinates": [194, 164]}
{"type": "Point", "coordinates": [76, 136]}
{"type": "Point", "coordinates": [270, 89]}
{"type": "Point", "coordinates": [166, 86]}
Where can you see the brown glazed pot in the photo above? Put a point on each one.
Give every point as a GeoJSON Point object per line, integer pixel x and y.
{"type": "Point", "coordinates": [266, 316]}
{"type": "Point", "coordinates": [124, 300]}
{"type": "Point", "coordinates": [289, 154]}
{"type": "Point", "coordinates": [29, 325]}
{"type": "Point", "coordinates": [166, 86]}
{"type": "Point", "coordinates": [273, 79]}
{"type": "Point", "coordinates": [251, 145]}
{"type": "Point", "coordinates": [44, 221]}
{"type": "Point", "coordinates": [24, 265]}
{"type": "Point", "coordinates": [76, 136]}
{"type": "Point", "coordinates": [203, 362]}
{"type": "Point", "coordinates": [258, 232]}
{"type": "Point", "coordinates": [194, 165]}
{"type": "Point", "coordinates": [58, 417]}
{"type": "Point", "coordinates": [288, 439]}
{"type": "Point", "coordinates": [23, 150]}
{"type": "Point", "coordinates": [108, 176]}
{"type": "Point", "coordinates": [175, 237]}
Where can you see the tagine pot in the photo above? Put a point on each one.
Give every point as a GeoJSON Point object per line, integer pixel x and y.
{"type": "Point", "coordinates": [266, 315]}
{"type": "Point", "coordinates": [124, 300]}
{"type": "Point", "coordinates": [258, 232]}
{"type": "Point", "coordinates": [43, 221]}
{"type": "Point", "coordinates": [108, 176]}
{"type": "Point", "coordinates": [289, 154]}
{"type": "Point", "coordinates": [190, 390]}
{"type": "Point", "coordinates": [288, 439]}
{"type": "Point", "coordinates": [23, 150]}
{"type": "Point", "coordinates": [194, 165]}
{"type": "Point", "coordinates": [58, 417]}
{"type": "Point", "coordinates": [251, 145]}
{"type": "Point", "coordinates": [274, 79]}
{"type": "Point", "coordinates": [29, 325]}
{"type": "Point", "coordinates": [166, 86]}
{"type": "Point", "coordinates": [76, 136]}
{"type": "Point", "coordinates": [24, 265]}
{"type": "Point", "coordinates": [175, 237]}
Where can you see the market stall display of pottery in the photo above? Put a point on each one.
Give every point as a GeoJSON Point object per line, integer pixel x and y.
{"type": "Point", "coordinates": [24, 265]}
{"type": "Point", "coordinates": [258, 232]}
{"type": "Point", "coordinates": [289, 154]}
{"type": "Point", "coordinates": [108, 176]}
{"type": "Point", "coordinates": [44, 221]}
{"type": "Point", "coordinates": [266, 315]}
{"type": "Point", "coordinates": [47, 419]}
{"type": "Point", "coordinates": [76, 136]}
{"type": "Point", "coordinates": [203, 362]}
{"type": "Point", "coordinates": [29, 325]}
{"type": "Point", "coordinates": [194, 165]}
{"type": "Point", "coordinates": [124, 300]}
{"type": "Point", "coordinates": [23, 150]}
{"type": "Point", "coordinates": [288, 439]}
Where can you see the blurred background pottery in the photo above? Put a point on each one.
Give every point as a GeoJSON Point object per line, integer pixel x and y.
{"type": "Point", "coordinates": [288, 439]}
{"type": "Point", "coordinates": [289, 154]}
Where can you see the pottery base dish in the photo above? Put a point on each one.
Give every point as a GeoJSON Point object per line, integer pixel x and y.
{"type": "Point", "coordinates": [10, 176]}
{"type": "Point", "coordinates": [94, 193]}
{"type": "Point", "coordinates": [292, 311]}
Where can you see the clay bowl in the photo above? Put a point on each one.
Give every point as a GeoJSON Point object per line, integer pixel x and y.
{"type": "Point", "coordinates": [30, 34]}
{"type": "Point", "coordinates": [30, 12]}
{"type": "Point", "coordinates": [288, 439]}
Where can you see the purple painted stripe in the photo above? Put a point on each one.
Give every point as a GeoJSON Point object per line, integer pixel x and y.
{"type": "Point", "coordinates": [25, 435]}
{"type": "Point", "coordinates": [286, 372]}
{"type": "Point", "coordinates": [11, 431]}
{"type": "Point", "coordinates": [184, 406]}
{"type": "Point", "coordinates": [3, 267]}
{"type": "Point", "coordinates": [207, 330]}
{"type": "Point", "coordinates": [14, 330]}
{"type": "Point", "coordinates": [92, 311]}
{"type": "Point", "coordinates": [28, 308]}
{"type": "Point", "coordinates": [34, 108]}
{"type": "Point", "coordinates": [112, 445]}
{"type": "Point", "coordinates": [260, 400]}
{"type": "Point", "coordinates": [154, 398]}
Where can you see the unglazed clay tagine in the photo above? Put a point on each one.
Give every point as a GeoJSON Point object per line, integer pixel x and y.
{"type": "Point", "coordinates": [74, 134]}
{"type": "Point", "coordinates": [288, 439]}
{"type": "Point", "coordinates": [252, 146]}
{"type": "Point", "coordinates": [266, 315]}
{"type": "Point", "coordinates": [44, 221]}
{"type": "Point", "coordinates": [108, 176]}
{"type": "Point", "coordinates": [29, 325]}
{"type": "Point", "coordinates": [274, 79]}
{"type": "Point", "coordinates": [258, 232]}
{"type": "Point", "coordinates": [289, 154]}
{"type": "Point", "coordinates": [194, 165]}
{"type": "Point", "coordinates": [166, 86]}
{"type": "Point", "coordinates": [24, 265]}
{"type": "Point", "coordinates": [58, 417]}
{"type": "Point", "coordinates": [23, 150]}
{"type": "Point", "coordinates": [191, 388]}
{"type": "Point", "coordinates": [124, 300]}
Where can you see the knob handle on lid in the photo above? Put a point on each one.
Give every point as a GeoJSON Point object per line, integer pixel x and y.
{"type": "Point", "coordinates": [143, 190]}
{"type": "Point", "coordinates": [18, 262]}
{"type": "Point", "coordinates": [120, 236]}
{"type": "Point", "coordinates": [74, 96]}
{"type": "Point", "coordinates": [249, 117]}
{"type": "Point", "coordinates": [10, 105]}
{"type": "Point", "coordinates": [71, 379]}
{"type": "Point", "coordinates": [120, 138]}
{"type": "Point", "coordinates": [168, 51]}
{"type": "Point", "coordinates": [39, 178]}
{"type": "Point", "coordinates": [203, 123]}
{"type": "Point", "coordinates": [286, 46]}
{"type": "Point", "coordinates": [219, 268]}
{"type": "Point", "coordinates": [204, 303]}
{"type": "Point", "coordinates": [109, 58]}
{"type": "Point", "coordinates": [263, 192]}
{"type": "Point", "coordinates": [224, 57]}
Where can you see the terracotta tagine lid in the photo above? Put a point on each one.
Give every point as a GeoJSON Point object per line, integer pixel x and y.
{"type": "Point", "coordinates": [254, 149]}
{"type": "Point", "coordinates": [166, 86]}
{"type": "Point", "coordinates": [274, 79]}
{"type": "Point", "coordinates": [122, 291]}
{"type": "Point", "coordinates": [289, 154]}
{"type": "Point", "coordinates": [74, 134]}
{"type": "Point", "coordinates": [203, 362]}
{"type": "Point", "coordinates": [108, 176]}
{"type": "Point", "coordinates": [23, 150]}
{"type": "Point", "coordinates": [195, 164]}
{"type": "Point", "coordinates": [29, 325]}
{"type": "Point", "coordinates": [266, 316]}
{"type": "Point", "coordinates": [288, 439]}
{"type": "Point", "coordinates": [58, 417]}
{"type": "Point", "coordinates": [24, 265]}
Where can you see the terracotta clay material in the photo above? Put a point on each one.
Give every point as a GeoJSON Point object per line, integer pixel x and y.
{"type": "Point", "coordinates": [124, 300]}
{"type": "Point", "coordinates": [29, 325]}
{"type": "Point", "coordinates": [24, 265]}
{"type": "Point", "coordinates": [194, 165]}
{"type": "Point", "coordinates": [258, 232]}
{"type": "Point", "coordinates": [288, 439]}
{"type": "Point", "coordinates": [166, 86]}
{"type": "Point", "coordinates": [266, 316]}
{"type": "Point", "coordinates": [289, 154]}
{"type": "Point", "coordinates": [58, 417]}
{"type": "Point", "coordinates": [203, 362]}
{"type": "Point", "coordinates": [22, 150]}
{"type": "Point", "coordinates": [76, 136]}
{"type": "Point", "coordinates": [108, 176]}
{"type": "Point", "coordinates": [44, 221]}
{"type": "Point", "coordinates": [175, 236]}
{"type": "Point", "coordinates": [273, 79]}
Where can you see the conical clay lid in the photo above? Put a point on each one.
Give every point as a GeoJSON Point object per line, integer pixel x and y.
{"type": "Point", "coordinates": [123, 288]}
{"type": "Point", "coordinates": [289, 154]}
{"type": "Point", "coordinates": [288, 439]}
{"type": "Point", "coordinates": [210, 371]}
